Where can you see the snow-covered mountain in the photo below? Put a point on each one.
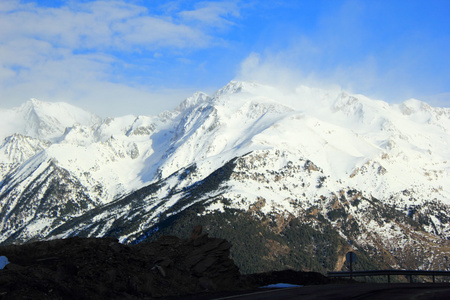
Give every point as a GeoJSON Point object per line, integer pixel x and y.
{"type": "Point", "coordinates": [378, 174]}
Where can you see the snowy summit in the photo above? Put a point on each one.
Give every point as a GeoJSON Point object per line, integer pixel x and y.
{"type": "Point", "coordinates": [285, 153]}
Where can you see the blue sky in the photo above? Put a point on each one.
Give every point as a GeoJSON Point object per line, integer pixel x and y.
{"type": "Point", "coordinates": [143, 57]}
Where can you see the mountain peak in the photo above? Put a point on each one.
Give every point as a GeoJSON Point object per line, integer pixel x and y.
{"type": "Point", "coordinates": [35, 101]}
{"type": "Point", "coordinates": [34, 104]}
{"type": "Point", "coordinates": [43, 120]}
{"type": "Point", "coordinates": [412, 106]}
{"type": "Point", "coordinates": [235, 86]}
{"type": "Point", "coordinates": [194, 100]}
{"type": "Point", "coordinates": [316, 156]}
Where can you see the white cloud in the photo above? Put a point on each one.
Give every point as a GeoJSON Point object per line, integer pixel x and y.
{"type": "Point", "coordinates": [343, 48]}
{"type": "Point", "coordinates": [77, 52]}
{"type": "Point", "coordinates": [96, 24]}
{"type": "Point", "coordinates": [285, 68]}
{"type": "Point", "coordinates": [249, 65]}
{"type": "Point", "coordinates": [299, 65]}
{"type": "Point", "coordinates": [153, 33]}
{"type": "Point", "coordinates": [212, 13]}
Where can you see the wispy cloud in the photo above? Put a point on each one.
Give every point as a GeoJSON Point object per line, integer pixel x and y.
{"type": "Point", "coordinates": [214, 14]}
{"type": "Point", "coordinates": [96, 24]}
{"type": "Point", "coordinates": [365, 47]}
{"type": "Point", "coordinates": [96, 53]}
{"type": "Point", "coordinates": [81, 50]}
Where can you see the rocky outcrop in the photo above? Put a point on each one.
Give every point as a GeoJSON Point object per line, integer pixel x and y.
{"type": "Point", "coordinates": [90, 268]}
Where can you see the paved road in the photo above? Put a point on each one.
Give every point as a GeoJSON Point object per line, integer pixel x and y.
{"type": "Point", "coordinates": [384, 291]}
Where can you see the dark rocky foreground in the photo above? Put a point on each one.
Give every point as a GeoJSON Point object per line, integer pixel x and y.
{"type": "Point", "coordinates": [102, 268]}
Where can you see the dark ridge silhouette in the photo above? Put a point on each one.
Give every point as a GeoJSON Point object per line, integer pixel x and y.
{"type": "Point", "coordinates": [102, 268]}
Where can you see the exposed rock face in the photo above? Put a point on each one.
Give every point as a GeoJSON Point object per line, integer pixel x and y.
{"type": "Point", "coordinates": [87, 268]}
{"type": "Point", "coordinates": [303, 185]}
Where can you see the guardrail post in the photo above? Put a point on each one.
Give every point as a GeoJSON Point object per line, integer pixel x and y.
{"type": "Point", "coordinates": [389, 278]}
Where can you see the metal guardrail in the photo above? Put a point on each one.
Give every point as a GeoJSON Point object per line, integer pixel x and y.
{"type": "Point", "coordinates": [388, 273]}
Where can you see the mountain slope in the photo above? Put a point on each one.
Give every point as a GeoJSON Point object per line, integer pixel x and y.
{"type": "Point", "coordinates": [363, 174]}
{"type": "Point", "coordinates": [43, 120]}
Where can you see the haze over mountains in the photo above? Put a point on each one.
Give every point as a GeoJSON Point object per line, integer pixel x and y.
{"type": "Point", "coordinates": [375, 174]}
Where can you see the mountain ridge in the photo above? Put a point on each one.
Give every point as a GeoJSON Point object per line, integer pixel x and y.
{"type": "Point", "coordinates": [310, 155]}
